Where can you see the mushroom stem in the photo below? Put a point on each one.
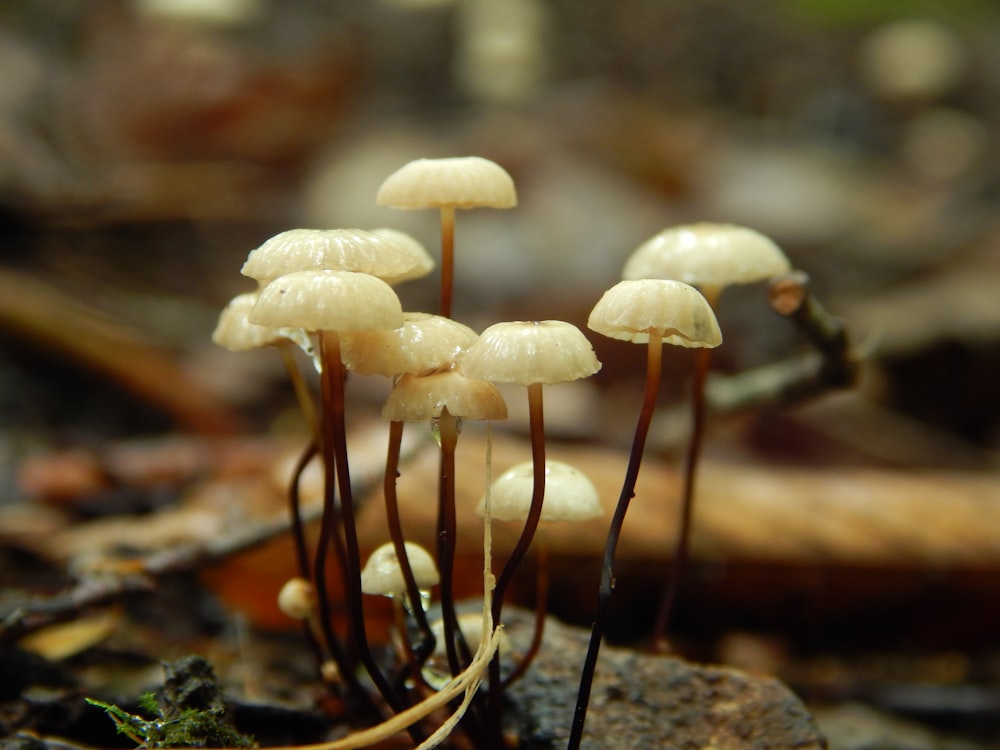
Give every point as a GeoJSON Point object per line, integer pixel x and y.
{"type": "Point", "coordinates": [702, 363]}
{"type": "Point", "coordinates": [447, 258]}
{"type": "Point", "coordinates": [422, 650]}
{"type": "Point", "coordinates": [302, 394]}
{"type": "Point", "coordinates": [541, 608]}
{"type": "Point", "coordinates": [536, 417]}
{"type": "Point", "coordinates": [654, 354]}
{"type": "Point", "coordinates": [335, 453]}
{"type": "Point", "coordinates": [329, 535]}
{"type": "Point", "coordinates": [447, 529]}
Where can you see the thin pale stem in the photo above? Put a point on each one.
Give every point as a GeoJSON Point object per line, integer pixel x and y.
{"type": "Point", "coordinates": [422, 650]}
{"type": "Point", "coordinates": [301, 388]}
{"type": "Point", "coordinates": [653, 359]}
{"type": "Point", "coordinates": [536, 417]}
{"type": "Point", "coordinates": [447, 258]}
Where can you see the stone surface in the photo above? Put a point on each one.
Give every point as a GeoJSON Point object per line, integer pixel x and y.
{"type": "Point", "coordinates": [645, 701]}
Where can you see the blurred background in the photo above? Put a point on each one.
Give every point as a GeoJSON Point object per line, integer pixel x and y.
{"type": "Point", "coordinates": [146, 146]}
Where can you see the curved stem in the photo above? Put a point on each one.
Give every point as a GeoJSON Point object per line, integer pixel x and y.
{"type": "Point", "coordinates": [536, 416]}
{"type": "Point", "coordinates": [294, 507]}
{"type": "Point", "coordinates": [653, 360]}
{"type": "Point", "coordinates": [301, 388]}
{"type": "Point", "coordinates": [335, 445]}
{"type": "Point", "coordinates": [541, 609]}
{"type": "Point", "coordinates": [422, 650]}
{"type": "Point", "coordinates": [703, 359]}
{"type": "Point", "coordinates": [447, 258]}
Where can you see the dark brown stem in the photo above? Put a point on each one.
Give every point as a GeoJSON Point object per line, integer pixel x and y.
{"type": "Point", "coordinates": [446, 531]}
{"type": "Point", "coordinates": [653, 360]}
{"type": "Point", "coordinates": [335, 450]}
{"type": "Point", "coordinates": [422, 650]}
{"type": "Point", "coordinates": [447, 258]}
{"type": "Point", "coordinates": [330, 532]}
{"type": "Point", "coordinates": [297, 527]}
{"type": "Point", "coordinates": [703, 360]}
{"type": "Point", "coordinates": [541, 609]}
{"type": "Point", "coordinates": [536, 416]}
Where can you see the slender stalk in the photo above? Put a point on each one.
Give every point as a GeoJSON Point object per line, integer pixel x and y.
{"type": "Point", "coordinates": [335, 451]}
{"type": "Point", "coordinates": [329, 536]}
{"type": "Point", "coordinates": [301, 388]}
{"type": "Point", "coordinates": [447, 529]}
{"type": "Point", "coordinates": [654, 353]}
{"type": "Point", "coordinates": [422, 650]}
{"type": "Point", "coordinates": [703, 360]}
{"type": "Point", "coordinates": [294, 507]}
{"type": "Point", "coordinates": [536, 416]}
{"type": "Point", "coordinates": [447, 258]}
{"type": "Point", "coordinates": [541, 608]}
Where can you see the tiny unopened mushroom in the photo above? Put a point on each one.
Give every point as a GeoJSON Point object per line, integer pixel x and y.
{"type": "Point", "coordinates": [447, 184]}
{"type": "Point", "coordinates": [383, 575]}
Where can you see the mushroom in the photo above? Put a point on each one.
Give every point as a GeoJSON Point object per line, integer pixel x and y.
{"type": "Point", "coordinates": [444, 397]}
{"type": "Point", "coordinates": [710, 257]}
{"type": "Point", "coordinates": [532, 354]}
{"type": "Point", "coordinates": [326, 303]}
{"type": "Point", "coordinates": [569, 496]}
{"type": "Point", "coordinates": [447, 184]}
{"type": "Point", "coordinates": [383, 574]}
{"type": "Point", "coordinates": [649, 311]}
{"type": "Point", "coordinates": [424, 343]}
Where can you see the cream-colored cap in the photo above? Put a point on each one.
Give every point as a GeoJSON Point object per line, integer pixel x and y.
{"type": "Point", "coordinates": [383, 574]}
{"type": "Point", "coordinates": [423, 344]}
{"type": "Point", "coordinates": [569, 494]}
{"type": "Point", "coordinates": [417, 399]}
{"type": "Point", "coordinates": [707, 255]}
{"type": "Point", "coordinates": [631, 310]}
{"type": "Point", "coordinates": [424, 261]}
{"type": "Point", "coordinates": [297, 598]}
{"type": "Point", "coordinates": [328, 301]}
{"type": "Point", "coordinates": [461, 182]}
{"type": "Point", "coordinates": [329, 249]}
{"type": "Point", "coordinates": [527, 352]}
{"type": "Point", "coordinates": [235, 333]}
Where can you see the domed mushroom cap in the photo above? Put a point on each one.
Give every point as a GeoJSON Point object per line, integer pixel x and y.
{"type": "Point", "coordinates": [424, 261]}
{"type": "Point", "coordinates": [569, 494]}
{"type": "Point", "coordinates": [461, 182]}
{"type": "Point", "coordinates": [527, 352]}
{"type": "Point", "coordinates": [297, 598]}
{"type": "Point", "coordinates": [423, 343]}
{"type": "Point", "coordinates": [235, 333]}
{"type": "Point", "coordinates": [417, 399]}
{"type": "Point", "coordinates": [383, 574]}
{"type": "Point", "coordinates": [329, 249]}
{"type": "Point", "coordinates": [632, 309]}
{"type": "Point", "coordinates": [328, 301]}
{"type": "Point", "coordinates": [707, 255]}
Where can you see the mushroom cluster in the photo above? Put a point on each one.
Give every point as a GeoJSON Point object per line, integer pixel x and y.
{"type": "Point", "coordinates": [330, 293]}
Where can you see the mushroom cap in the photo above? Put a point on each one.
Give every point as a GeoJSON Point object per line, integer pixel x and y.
{"type": "Point", "coordinates": [297, 598]}
{"type": "Point", "coordinates": [420, 398]}
{"type": "Point", "coordinates": [632, 309]}
{"type": "Point", "coordinates": [235, 333]}
{"type": "Point", "coordinates": [383, 575]}
{"type": "Point", "coordinates": [328, 301]}
{"type": "Point", "coordinates": [707, 255]}
{"type": "Point", "coordinates": [460, 182]}
{"type": "Point", "coordinates": [569, 494]}
{"type": "Point", "coordinates": [330, 249]}
{"type": "Point", "coordinates": [422, 344]}
{"type": "Point", "coordinates": [424, 261]}
{"type": "Point", "coordinates": [528, 352]}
